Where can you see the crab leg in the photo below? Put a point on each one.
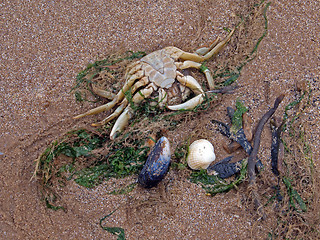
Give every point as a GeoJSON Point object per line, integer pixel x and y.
{"type": "Point", "coordinates": [219, 46]}
{"type": "Point", "coordinates": [205, 70]}
{"type": "Point", "coordinates": [121, 122]}
{"type": "Point", "coordinates": [197, 58]}
{"type": "Point", "coordinates": [103, 93]}
{"type": "Point", "coordinates": [142, 82]}
{"type": "Point", "coordinates": [124, 103]}
{"type": "Point", "coordinates": [99, 109]}
{"type": "Point", "coordinates": [188, 64]}
{"type": "Point", "coordinates": [162, 97]}
{"type": "Point", "coordinates": [209, 78]}
{"type": "Point", "coordinates": [115, 114]}
{"type": "Point", "coordinates": [132, 68]}
{"type": "Point", "coordinates": [204, 50]}
{"type": "Point", "coordinates": [117, 98]}
{"type": "Point", "coordinates": [127, 113]}
{"type": "Point", "coordinates": [138, 97]}
{"type": "Point", "coordinates": [191, 83]}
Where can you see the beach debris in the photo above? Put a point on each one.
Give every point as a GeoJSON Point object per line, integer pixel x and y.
{"type": "Point", "coordinates": [276, 145]}
{"type": "Point", "coordinates": [200, 154]}
{"type": "Point", "coordinates": [157, 164]}
{"type": "Point", "coordinates": [253, 156]}
{"type": "Point", "coordinates": [226, 168]}
{"type": "Point", "coordinates": [159, 73]}
{"type": "Point", "coordinates": [247, 128]}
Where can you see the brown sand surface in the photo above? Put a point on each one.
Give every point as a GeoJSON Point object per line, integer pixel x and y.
{"type": "Point", "coordinates": [44, 44]}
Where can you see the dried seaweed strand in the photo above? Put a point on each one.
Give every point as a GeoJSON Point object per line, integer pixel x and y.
{"type": "Point", "coordinates": [253, 156]}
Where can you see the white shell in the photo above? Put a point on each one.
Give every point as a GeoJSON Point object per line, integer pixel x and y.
{"type": "Point", "coordinates": [200, 155]}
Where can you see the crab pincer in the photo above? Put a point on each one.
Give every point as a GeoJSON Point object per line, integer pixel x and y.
{"type": "Point", "coordinates": [157, 164]}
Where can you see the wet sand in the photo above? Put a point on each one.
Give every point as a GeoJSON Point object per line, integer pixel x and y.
{"type": "Point", "coordinates": [43, 47]}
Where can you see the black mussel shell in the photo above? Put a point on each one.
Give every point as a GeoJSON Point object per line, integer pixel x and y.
{"type": "Point", "coordinates": [157, 164]}
{"type": "Point", "coordinates": [224, 168]}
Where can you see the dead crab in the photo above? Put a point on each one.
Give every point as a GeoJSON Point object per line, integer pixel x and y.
{"type": "Point", "coordinates": [158, 71]}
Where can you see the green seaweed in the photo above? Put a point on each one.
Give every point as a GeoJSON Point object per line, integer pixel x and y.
{"type": "Point", "coordinates": [181, 150]}
{"type": "Point", "coordinates": [265, 27]}
{"type": "Point", "coordinates": [291, 105]}
{"type": "Point", "coordinates": [232, 75]}
{"type": "Point", "coordinates": [237, 117]}
{"type": "Point", "coordinates": [294, 195]}
{"type": "Point", "coordinates": [114, 230]}
{"type": "Point", "coordinates": [122, 162]}
{"type": "Point", "coordinates": [53, 207]}
{"type": "Point", "coordinates": [297, 165]}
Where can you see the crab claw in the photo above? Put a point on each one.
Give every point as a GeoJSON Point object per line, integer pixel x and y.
{"type": "Point", "coordinates": [188, 105]}
{"type": "Point", "coordinates": [191, 83]}
{"type": "Point", "coordinates": [121, 122]}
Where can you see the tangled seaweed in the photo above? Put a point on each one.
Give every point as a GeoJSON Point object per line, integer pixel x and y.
{"type": "Point", "coordinates": [88, 158]}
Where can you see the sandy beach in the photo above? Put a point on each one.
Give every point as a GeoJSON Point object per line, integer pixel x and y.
{"type": "Point", "coordinates": [45, 44]}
